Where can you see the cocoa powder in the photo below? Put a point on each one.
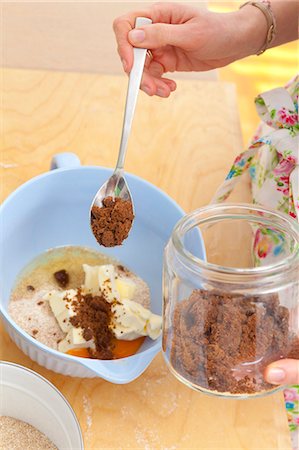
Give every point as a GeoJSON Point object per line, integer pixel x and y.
{"type": "Point", "coordinates": [112, 222]}
{"type": "Point", "coordinates": [223, 342]}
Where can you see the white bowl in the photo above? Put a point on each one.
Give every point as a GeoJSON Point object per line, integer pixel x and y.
{"type": "Point", "coordinates": [27, 396]}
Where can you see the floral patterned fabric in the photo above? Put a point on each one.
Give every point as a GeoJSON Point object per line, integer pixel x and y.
{"type": "Point", "coordinates": [272, 161]}
{"type": "Point", "coordinates": [291, 396]}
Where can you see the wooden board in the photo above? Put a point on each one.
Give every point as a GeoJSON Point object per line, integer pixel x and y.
{"type": "Point", "coordinates": [184, 145]}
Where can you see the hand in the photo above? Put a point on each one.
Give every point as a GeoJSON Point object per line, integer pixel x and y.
{"type": "Point", "coordinates": [184, 38]}
{"type": "Point", "coordinates": [285, 371]}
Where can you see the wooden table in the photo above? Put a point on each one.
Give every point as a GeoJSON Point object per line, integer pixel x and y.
{"type": "Point", "coordinates": [184, 145]}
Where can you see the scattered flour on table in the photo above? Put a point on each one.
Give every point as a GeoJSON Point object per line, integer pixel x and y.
{"type": "Point", "coordinates": [87, 408]}
{"type": "Point", "coordinates": [87, 411]}
{"type": "Point", "coordinates": [148, 439]}
{"type": "Point", "coordinates": [18, 435]}
{"type": "Point", "coordinates": [8, 165]}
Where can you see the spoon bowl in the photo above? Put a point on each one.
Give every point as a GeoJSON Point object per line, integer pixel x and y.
{"type": "Point", "coordinates": [115, 186]}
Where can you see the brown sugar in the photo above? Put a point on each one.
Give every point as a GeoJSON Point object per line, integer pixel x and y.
{"type": "Point", "coordinates": [223, 342]}
{"type": "Point", "coordinates": [62, 278]}
{"type": "Point", "coordinates": [112, 222]}
{"type": "Point", "coordinates": [93, 315]}
{"type": "Point", "coordinates": [30, 288]}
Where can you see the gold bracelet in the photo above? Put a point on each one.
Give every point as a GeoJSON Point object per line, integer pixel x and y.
{"type": "Point", "coordinates": [266, 9]}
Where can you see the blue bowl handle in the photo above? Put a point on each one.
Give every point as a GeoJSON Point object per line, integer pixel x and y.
{"type": "Point", "coordinates": [65, 160]}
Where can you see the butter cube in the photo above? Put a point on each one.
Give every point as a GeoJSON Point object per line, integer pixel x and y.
{"type": "Point", "coordinates": [125, 287]}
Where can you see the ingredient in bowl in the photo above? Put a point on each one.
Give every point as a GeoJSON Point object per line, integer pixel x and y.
{"type": "Point", "coordinates": [112, 222]}
{"type": "Point", "coordinates": [16, 434]}
{"type": "Point", "coordinates": [223, 342]}
{"type": "Point", "coordinates": [102, 312]}
{"type": "Point", "coordinates": [62, 278]}
{"type": "Point", "coordinates": [34, 315]}
{"type": "Point", "coordinates": [30, 288]}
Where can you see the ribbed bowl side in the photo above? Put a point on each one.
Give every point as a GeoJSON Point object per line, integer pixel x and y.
{"type": "Point", "coordinates": [51, 362]}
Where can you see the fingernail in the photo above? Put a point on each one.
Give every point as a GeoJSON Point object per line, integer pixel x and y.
{"type": "Point", "coordinates": [146, 89]}
{"type": "Point", "coordinates": [137, 35]}
{"type": "Point", "coordinates": [160, 92]}
{"type": "Point", "coordinates": [276, 375]}
{"type": "Point", "coordinates": [124, 65]}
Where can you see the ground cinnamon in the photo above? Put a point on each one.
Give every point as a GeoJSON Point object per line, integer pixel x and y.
{"type": "Point", "coordinates": [215, 333]}
{"type": "Point", "coordinates": [112, 222]}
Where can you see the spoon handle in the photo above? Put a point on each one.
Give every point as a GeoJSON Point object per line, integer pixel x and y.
{"type": "Point", "coordinates": [132, 94]}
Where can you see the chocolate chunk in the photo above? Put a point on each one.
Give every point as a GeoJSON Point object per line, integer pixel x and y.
{"type": "Point", "coordinates": [34, 332]}
{"type": "Point", "coordinates": [112, 222]}
{"type": "Point", "coordinates": [30, 288]}
{"type": "Point", "coordinates": [62, 278]}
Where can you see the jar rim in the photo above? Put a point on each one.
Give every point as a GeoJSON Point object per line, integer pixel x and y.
{"type": "Point", "coordinates": [271, 269]}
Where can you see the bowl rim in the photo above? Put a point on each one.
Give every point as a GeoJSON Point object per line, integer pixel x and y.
{"type": "Point", "coordinates": [109, 170]}
{"type": "Point", "coordinates": [53, 387]}
{"type": "Point", "coordinates": [156, 347]}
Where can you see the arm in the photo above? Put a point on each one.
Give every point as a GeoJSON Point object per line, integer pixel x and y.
{"type": "Point", "coordinates": [286, 14]}
{"type": "Point", "coordinates": [184, 38]}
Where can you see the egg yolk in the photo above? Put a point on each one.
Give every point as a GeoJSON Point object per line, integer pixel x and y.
{"type": "Point", "coordinates": [121, 349]}
{"type": "Point", "coordinates": [81, 352]}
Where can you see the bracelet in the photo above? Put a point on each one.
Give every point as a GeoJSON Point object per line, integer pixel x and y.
{"type": "Point", "coordinates": [266, 9]}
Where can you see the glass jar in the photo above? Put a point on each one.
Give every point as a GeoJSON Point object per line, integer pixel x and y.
{"type": "Point", "coordinates": [231, 292]}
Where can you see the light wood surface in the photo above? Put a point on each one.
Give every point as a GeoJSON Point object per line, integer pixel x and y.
{"type": "Point", "coordinates": [184, 145]}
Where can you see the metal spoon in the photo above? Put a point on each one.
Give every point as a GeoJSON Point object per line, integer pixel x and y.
{"type": "Point", "coordinates": [116, 185]}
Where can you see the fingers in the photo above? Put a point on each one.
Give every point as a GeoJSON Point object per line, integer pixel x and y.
{"type": "Point", "coordinates": [152, 85]}
{"type": "Point", "coordinates": [152, 82]}
{"type": "Point", "coordinates": [121, 29]}
{"type": "Point", "coordinates": [285, 371]}
{"type": "Point", "coordinates": [121, 26]}
{"type": "Point", "coordinates": [168, 27]}
{"type": "Point", "coordinates": [158, 35]}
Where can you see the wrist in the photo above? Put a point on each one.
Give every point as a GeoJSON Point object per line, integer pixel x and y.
{"type": "Point", "coordinates": [251, 27]}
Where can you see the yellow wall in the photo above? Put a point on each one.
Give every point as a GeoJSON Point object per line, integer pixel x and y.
{"type": "Point", "coordinates": [257, 74]}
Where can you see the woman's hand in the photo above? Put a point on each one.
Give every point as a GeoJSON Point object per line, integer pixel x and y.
{"type": "Point", "coordinates": [184, 38]}
{"type": "Point", "coordinates": [285, 371]}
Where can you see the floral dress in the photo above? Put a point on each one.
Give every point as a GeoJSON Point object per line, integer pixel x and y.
{"type": "Point", "coordinates": [272, 161]}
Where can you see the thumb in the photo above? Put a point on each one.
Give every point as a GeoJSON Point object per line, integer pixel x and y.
{"type": "Point", "coordinates": [158, 35]}
{"type": "Point", "coordinates": [285, 371]}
